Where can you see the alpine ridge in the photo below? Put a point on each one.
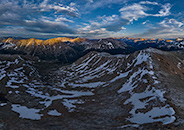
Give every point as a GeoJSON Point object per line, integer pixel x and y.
{"type": "Point", "coordinates": [98, 91]}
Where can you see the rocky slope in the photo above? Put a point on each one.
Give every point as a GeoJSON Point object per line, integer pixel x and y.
{"type": "Point", "coordinates": [98, 91]}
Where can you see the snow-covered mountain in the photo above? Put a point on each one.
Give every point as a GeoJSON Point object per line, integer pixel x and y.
{"type": "Point", "coordinates": [98, 91]}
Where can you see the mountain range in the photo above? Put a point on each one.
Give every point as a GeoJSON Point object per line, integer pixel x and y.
{"type": "Point", "coordinates": [67, 50]}
{"type": "Point", "coordinates": [77, 83]}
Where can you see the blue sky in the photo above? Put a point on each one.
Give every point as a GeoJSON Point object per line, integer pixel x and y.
{"type": "Point", "coordinates": [92, 18]}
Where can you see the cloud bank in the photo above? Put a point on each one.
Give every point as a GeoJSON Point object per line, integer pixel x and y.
{"type": "Point", "coordinates": [89, 18]}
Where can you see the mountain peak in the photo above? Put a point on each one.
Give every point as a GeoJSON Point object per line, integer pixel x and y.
{"type": "Point", "coordinates": [34, 41]}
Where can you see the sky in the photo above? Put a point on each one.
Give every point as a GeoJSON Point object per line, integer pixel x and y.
{"type": "Point", "coordinates": [92, 18]}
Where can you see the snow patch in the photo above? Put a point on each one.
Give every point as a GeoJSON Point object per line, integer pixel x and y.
{"type": "Point", "coordinates": [70, 103]}
{"type": "Point", "coordinates": [3, 104]}
{"type": "Point", "coordinates": [26, 113]}
{"type": "Point", "coordinates": [54, 113]}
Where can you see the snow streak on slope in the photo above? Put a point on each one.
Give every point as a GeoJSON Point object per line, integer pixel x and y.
{"type": "Point", "coordinates": [146, 104]}
{"type": "Point", "coordinates": [86, 71]}
{"type": "Point", "coordinates": [21, 77]}
{"type": "Point", "coordinates": [136, 75]}
{"type": "Point", "coordinates": [90, 84]}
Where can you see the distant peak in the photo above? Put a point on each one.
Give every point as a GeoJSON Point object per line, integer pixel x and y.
{"type": "Point", "coordinates": [34, 41]}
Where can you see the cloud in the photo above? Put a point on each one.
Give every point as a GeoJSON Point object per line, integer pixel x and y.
{"type": "Point", "coordinates": [128, 14]}
{"type": "Point", "coordinates": [138, 10]}
{"type": "Point", "coordinates": [104, 25]}
{"type": "Point", "coordinates": [113, 23]}
{"type": "Point", "coordinates": [72, 4]}
{"type": "Point", "coordinates": [89, 31]}
{"type": "Point", "coordinates": [117, 25]}
{"type": "Point", "coordinates": [93, 5]}
{"type": "Point", "coordinates": [66, 10]}
{"type": "Point", "coordinates": [165, 11]}
{"type": "Point", "coordinates": [9, 13]}
{"type": "Point", "coordinates": [95, 32]}
{"type": "Point", "coordinates": [63, 19]}
{"type": "Point", "coordinates": [164, 29]}
{"type": "Point", "coordinates": [171, 23]}
{"type": "Point", "coordinates": [91, 1]}
{"type": "Point", "coordinates": [149, 3]}
{"type": "Point", "coordinates": [59, 8]}
{"type": "Point", "coordinates": [26, 18]}
{"type": "Point", "coordinates": [145, 22]}
{"type": "Point", "coordinates": [47, 25]}
{"type": "Point", "coordinates": [44, 3]}
{"type": "Point", "coordinates": [133, 12]}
